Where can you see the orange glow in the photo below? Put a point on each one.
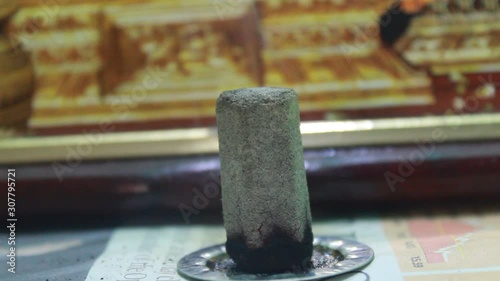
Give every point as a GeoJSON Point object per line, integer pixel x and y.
{"type": "Point", "coordinates": [414, 6]}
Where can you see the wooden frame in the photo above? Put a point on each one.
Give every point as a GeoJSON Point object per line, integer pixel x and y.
{"type": "Point", "coordinates": [438, 129]}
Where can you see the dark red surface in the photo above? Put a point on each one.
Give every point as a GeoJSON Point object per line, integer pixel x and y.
{"type": "Point", "coordinates": [335, 176]}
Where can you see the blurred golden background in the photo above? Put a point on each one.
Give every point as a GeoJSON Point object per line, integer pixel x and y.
{"type": "Point", "coordinates": [69, 66]}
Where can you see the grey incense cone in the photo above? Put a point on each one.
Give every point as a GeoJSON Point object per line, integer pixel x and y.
{"type": "Point", "coordinates": [264, 189]}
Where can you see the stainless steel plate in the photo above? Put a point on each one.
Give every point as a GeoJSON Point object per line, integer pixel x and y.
{"type": "Point", "coordinates": [332, 256]}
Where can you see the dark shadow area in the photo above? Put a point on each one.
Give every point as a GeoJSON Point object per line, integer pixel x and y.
{"type": "Point", "coordinates": [393, 24]}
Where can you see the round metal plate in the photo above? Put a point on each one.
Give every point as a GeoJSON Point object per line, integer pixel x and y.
{"type": "Point", "coordinates": [331, 256]}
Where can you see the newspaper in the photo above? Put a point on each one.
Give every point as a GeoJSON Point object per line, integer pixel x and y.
{"type": "Point", "coordinates": [454, 248]}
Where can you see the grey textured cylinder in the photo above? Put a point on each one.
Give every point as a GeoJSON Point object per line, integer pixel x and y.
{"type": "Point", "coordinates": [264, 189]}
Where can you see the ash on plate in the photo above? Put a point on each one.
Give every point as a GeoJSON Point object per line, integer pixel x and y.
{"type": "Point", "coordinates": [323, 257]}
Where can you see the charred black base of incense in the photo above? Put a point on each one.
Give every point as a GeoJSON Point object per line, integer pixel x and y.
{"type": "Point", "coordinates": [281, 253]}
